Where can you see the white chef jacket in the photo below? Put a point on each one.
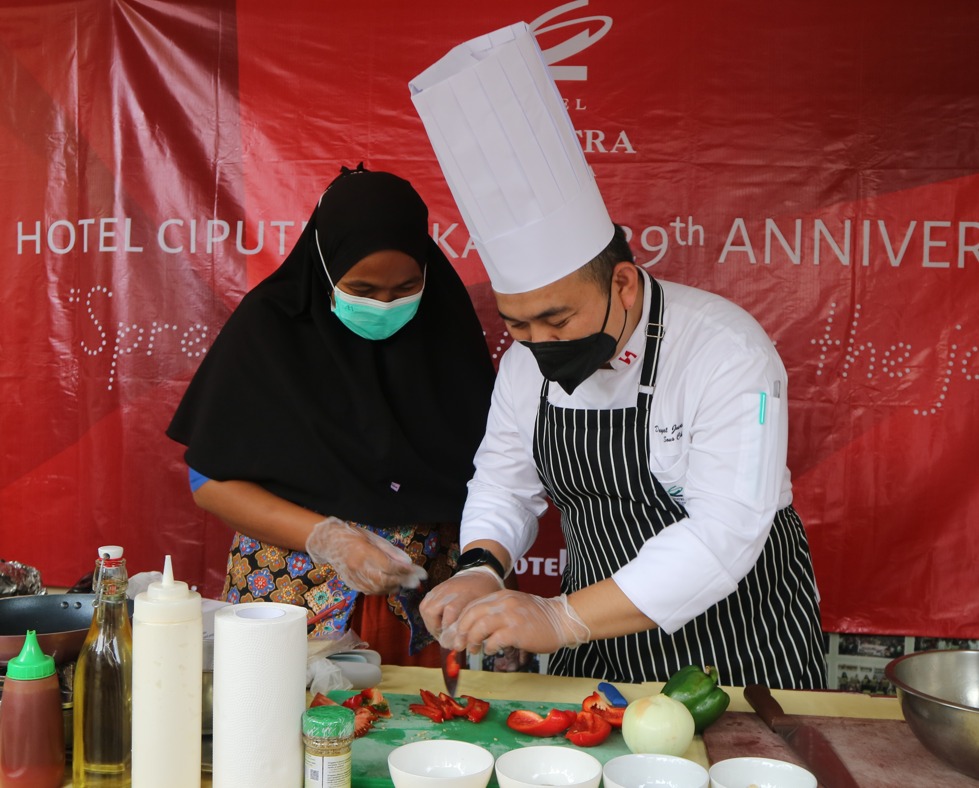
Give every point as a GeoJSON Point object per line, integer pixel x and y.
{"type": "Point", "coordinates": [715, 443]}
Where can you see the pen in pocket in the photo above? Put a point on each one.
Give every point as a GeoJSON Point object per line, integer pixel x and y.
{"type": "Point", "coordinates": [761, 407]}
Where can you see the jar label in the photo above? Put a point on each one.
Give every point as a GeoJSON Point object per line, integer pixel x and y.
{"type": "Point", "coordinates": [327, 771]}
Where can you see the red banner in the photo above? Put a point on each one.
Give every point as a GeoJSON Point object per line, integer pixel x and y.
{"type": "Point", "coordinates": [816, 163]}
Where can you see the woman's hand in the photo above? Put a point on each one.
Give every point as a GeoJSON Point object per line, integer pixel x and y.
{"type": "Point", "coordinates": [363, 560]}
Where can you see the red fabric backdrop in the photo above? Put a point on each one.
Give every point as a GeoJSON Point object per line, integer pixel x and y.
{"type": "Point", "coordinates": [816, 163]}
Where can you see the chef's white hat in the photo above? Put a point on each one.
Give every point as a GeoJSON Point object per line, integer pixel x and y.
{"type": "Point", "coordinates": [512, 160]}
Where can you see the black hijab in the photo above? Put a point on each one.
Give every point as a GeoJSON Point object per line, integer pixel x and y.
{"type": "Point", "coordinates": [378, 432]}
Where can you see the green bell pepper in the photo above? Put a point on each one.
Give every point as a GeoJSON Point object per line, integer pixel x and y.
{"type": "Point", "coordinates": [697, 689]}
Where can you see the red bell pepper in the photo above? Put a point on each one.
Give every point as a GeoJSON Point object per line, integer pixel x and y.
{"type": "Point", "coordinates": [451, 706]}
{"type": "Point", "coordinates": [452, 664]}
{"type": "Point", "coordinates": [476, 709]}
{"type": "Point", "coordinates": [442, 707]}
{"type": "Point", "coordinates": [430, 699]}
{"type": "Point", "coordinates": [531, 723]}
{"type": "Point", "coordinates": [611, 714]}
{"type": "Point", "coordinates": [588, 729]}
{"type": "Point", "coordinates": [435, 715]}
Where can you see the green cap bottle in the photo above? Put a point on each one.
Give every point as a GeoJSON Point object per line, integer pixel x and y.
{"type": "Point", "coordinates": [328, 722]}
{"type": "Point", "coordinates": [31, 663]}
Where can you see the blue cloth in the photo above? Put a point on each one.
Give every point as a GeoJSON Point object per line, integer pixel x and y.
{"type": "Point", "coordinates": [196, 479]}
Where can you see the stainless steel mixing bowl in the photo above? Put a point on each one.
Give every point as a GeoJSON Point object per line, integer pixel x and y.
{"type": "Point", "coordinates": [939, 695]}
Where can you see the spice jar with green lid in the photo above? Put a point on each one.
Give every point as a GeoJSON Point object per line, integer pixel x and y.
{"type": "Point", "coordinates": [327, 734]}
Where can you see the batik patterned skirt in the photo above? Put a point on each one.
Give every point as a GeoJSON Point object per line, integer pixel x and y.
{"type": "Point", "coordinates": [260, 572]}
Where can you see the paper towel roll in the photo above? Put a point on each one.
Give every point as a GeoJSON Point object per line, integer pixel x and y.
{"type": "Point", "coordinates": [259, 695]}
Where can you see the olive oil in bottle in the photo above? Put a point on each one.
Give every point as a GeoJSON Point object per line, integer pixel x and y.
{"type": "Point", "coordinates": [102, 749]}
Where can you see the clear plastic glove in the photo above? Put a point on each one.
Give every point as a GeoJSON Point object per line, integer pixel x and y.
{"type": "Point", "coordinates": [443, 604]}
{"type": "Point", "coordinates": [324, 675]}
{"type": "Point", "coordinates": [512, 619]}
{"type": "Point", "coordinates": [363, 560]}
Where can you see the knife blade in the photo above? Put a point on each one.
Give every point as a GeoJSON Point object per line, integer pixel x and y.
{"type": "Point", "coordinates": [450, 670]}
{"type": "Point", "coordinates": [809, 743]}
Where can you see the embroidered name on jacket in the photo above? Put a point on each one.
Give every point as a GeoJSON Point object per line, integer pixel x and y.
{"type": "Point", "coordinates": [668, 434]}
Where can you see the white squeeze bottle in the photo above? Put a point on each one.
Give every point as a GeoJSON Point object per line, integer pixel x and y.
{"type": "Point", "coordinates": [168, 644]}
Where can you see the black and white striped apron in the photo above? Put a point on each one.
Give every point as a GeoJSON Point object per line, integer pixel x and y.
{"type": "Point", "coordinates": [594, 465]}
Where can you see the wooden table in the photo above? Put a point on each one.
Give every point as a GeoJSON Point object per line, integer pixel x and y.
{"type": "Point", "coordinates": [558, 689]}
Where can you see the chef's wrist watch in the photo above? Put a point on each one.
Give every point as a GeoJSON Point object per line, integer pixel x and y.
{"type": "Point", "coordinates": [480, 556]}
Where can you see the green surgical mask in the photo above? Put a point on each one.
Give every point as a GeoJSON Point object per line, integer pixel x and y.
{"type": "Point", "coordinates": [373, 319]}
{"type": "Point", "coordinates": [368, 317]}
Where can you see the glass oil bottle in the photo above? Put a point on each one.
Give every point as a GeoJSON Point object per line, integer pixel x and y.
{"type": "Point", "coordinates": [102, 751]}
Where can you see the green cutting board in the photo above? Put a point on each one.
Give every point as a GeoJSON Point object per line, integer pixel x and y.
{"type": "Point", "coordinates": [370, 752]}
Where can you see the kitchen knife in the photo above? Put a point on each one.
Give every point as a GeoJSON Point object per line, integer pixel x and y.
{"type": "Point", "coordinates": [450, 670]}
{"type": "Point", "coordinates": [615, 697]}
{"type": "Point", "coordinates": [808, 742]}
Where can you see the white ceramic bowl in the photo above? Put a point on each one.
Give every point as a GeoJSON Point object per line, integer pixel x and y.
{"type": "Point", "coordinates": [532, 766]}
{"type": "Point", "coordinates": [440, 763]}
{"type": "Point", "coordinates": [761, 772]}
{"type": "Point", "coordinates": [642, 770]}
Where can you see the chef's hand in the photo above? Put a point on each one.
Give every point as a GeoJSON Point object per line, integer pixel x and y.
{"type": "Point", "coordinates": [512, 619]}
{"type": "Point", "coordinates": [443, 604]}
{"type": "Point", "coordinates": [363, 560]}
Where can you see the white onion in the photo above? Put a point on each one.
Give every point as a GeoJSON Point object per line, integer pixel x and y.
{"type": "Point", "coordinates": [658, 724]}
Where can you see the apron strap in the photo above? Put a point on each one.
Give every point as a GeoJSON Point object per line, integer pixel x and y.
{"type": "Point", "coordinates": [654, 338]}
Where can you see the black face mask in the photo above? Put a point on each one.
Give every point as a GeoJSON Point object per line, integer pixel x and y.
{"type": "Point", "coordinates": [569, 362]}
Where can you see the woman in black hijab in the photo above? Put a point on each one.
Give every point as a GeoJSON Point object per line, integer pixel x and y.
{"type": "Point", "coordinates": [338, 412]}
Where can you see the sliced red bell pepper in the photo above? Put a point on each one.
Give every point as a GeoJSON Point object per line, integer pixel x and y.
{"type": "Point", "coordinates": [442, 707]}
{"type": "Point", "coordinates": [430, 699]}
{"type": "Point", "coordinates": [531, 723]}
{"type": "Point", "coordinates": [588, 730]}
{"type": "Point", "coordinates": [430, 707]}
{"type": "Point", "coordinates": [435, 715]}
{"type": "Point", "coordinates": [452, 664]}
{"type": "Point", "coordinates": [611, 714]}
{"type": "Point", "coordinates": [451, 707]}
{"type": "Point", "coordinates": [476, 709]}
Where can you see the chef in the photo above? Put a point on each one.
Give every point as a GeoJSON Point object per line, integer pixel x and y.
{"type": "Point", "coordinates": [652, 415]}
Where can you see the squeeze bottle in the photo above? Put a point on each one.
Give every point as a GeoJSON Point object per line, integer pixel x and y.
{"type": "Point", "coordinates": [32, 734]}
{"type": "Point", "coordinates": [168, 645]}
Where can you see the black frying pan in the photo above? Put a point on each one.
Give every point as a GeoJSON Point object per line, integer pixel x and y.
{"type": "Point", "coordinates": [60, 620]}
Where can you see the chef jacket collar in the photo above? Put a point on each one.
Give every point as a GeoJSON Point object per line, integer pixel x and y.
{"type": "Point", "coordinates": [632, 353]}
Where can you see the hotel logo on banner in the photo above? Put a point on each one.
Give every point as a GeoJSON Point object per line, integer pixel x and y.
{"type": "Point", "coordinates": [586, 35]}
{"type": "Point", "coordinates": [582, 33]}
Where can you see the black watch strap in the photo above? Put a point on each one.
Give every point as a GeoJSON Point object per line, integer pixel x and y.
{"type": "Point", "coordinates": [480, 556]}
